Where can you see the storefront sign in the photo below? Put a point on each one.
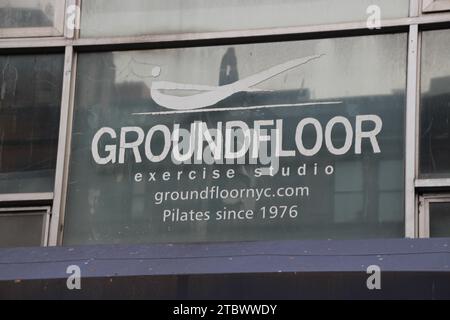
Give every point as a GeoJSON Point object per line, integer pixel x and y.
{"type": "Point", "coordinates": [178, 161]}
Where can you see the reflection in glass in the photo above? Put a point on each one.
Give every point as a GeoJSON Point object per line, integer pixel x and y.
{"type": "Point", "coordinates": [27, 13]}
{"type": "Point", "coordinates": [137, 17]}
{"type": "Point", "coordinates": [30, 97]}
{"type": "Point", "coordinates": [21, 230]}
{"type": "Point", "coordinates": [435, 105]}
{"type": "Point", "coordinates": [439, 220]}
{"type": "Point", "coordinates": [346, 77]}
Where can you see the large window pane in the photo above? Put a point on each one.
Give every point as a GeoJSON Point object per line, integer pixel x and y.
{"type": "Point", "coordinates": [137, 17]}
{"type": "Point", "coordinates": [435, 105]}
{"type": "Point", "coordinates": [30, 98]}
{"type": "Point", "coordinates": [19, 18]}
{"type": "Point", "coordinates": [122, 195]}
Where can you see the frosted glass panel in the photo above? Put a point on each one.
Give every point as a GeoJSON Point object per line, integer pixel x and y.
{"type": "Point", "coordinates": [137, 17]}
{"type": "Point", "coordinates": [27, 13]}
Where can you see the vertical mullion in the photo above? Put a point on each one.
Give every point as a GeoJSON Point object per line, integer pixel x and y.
{"type": "Point", "coordinates": [64, 126]}
{"type": "Point", "coordinates": [414, 8]}
{"type": "Point", "coordinates": [424, 218]}
{"type": "Point", "coordinates": [411, 132]}
{"type": "Point", "coordinates": [46, 225]}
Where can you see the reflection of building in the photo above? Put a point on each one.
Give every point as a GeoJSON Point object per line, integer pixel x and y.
{"type": "Point", "coordinates": [30, 95]}
{"type": "Point", "coordinates": [439, 86]}
{"type": "Point", "coordinates": [23, 17]}
{"type": "Point", "coordinates": [435, 128]}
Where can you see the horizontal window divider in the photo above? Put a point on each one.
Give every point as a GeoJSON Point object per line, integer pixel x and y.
{"type": "Point", "coordinates": [28, 43]}
{"type": "Point", "coordinates": [25, 210]}
{"type": "Point", "coordinates": [12, 33]}
{"type": "Point", "coordinates": [246, 35]}
{"type": "Point", "coordinates": [432, 183]}
{"type": "Point", "coordinates": [23, 197]}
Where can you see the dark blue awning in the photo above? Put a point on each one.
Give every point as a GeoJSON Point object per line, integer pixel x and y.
{"type": "Point", "coordinates": [23, 270]}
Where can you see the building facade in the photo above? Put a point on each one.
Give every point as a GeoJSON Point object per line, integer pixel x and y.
{"type": "Point", "coordinates": [225, 126]}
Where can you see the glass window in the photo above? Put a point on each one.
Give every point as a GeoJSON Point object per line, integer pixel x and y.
{"type": "Point", "coordinates": [435, 105]}
{"type": "Point", "coordinates": [23, 227]}
{"type": "Point", "coordinates": [440, 219]}
{"type": "Point", "coordinates": [30, 98]}
{"type": "Point", "coordinates": [135, 111]}
{"type": "Point", "coordinates": [22, 18]}
{"type": "Point", "coordinates": [435, 5]}
{"type": "Point", "coordinates": [138, 17]}
{"type": "Point", "coordinates": [171, 145]}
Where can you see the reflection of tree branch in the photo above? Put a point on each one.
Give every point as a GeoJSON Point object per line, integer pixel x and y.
{"type": "Point", "coordinates": [131, 68]}
{"type": "Point", "coordinates": [138, 75]}
{"type": "Point", "coordinates": [144, 63]}
{"type": "Point", "coordinates": [125, 70]}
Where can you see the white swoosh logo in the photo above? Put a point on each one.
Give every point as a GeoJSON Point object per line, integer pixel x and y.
{"type": "Point", "coordinates": [217, 94]}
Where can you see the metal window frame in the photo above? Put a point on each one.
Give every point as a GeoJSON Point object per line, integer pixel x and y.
{"type": "Point", "coordinates": [44, 211]}
{"type": "Point", "coordinates": [411, 125]}
{"type": "Point", "coordinates": [424, 210]}
{"type": "Point", "coordinates": [435, 5]}
{"type": "Point", "coordinates": [73, 44]}
{"type": "Point", "coordinates": [64, 147]}
{"type": "Point", "coordinates": [26, 197]}
{"type": "Point", "coordinates": [432, 183]}
{"type": "Point", "coordinates": [56, 30]}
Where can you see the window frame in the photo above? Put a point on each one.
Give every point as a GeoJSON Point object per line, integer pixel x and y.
{"type": "Point", "coordinates": [27, 32]}
{"type": "Point", "coordinates": [44, 211]}
{"type": "Point", "coordinates": [426, 186]}
{"type": "Point", "coordinates": [424, 211]}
